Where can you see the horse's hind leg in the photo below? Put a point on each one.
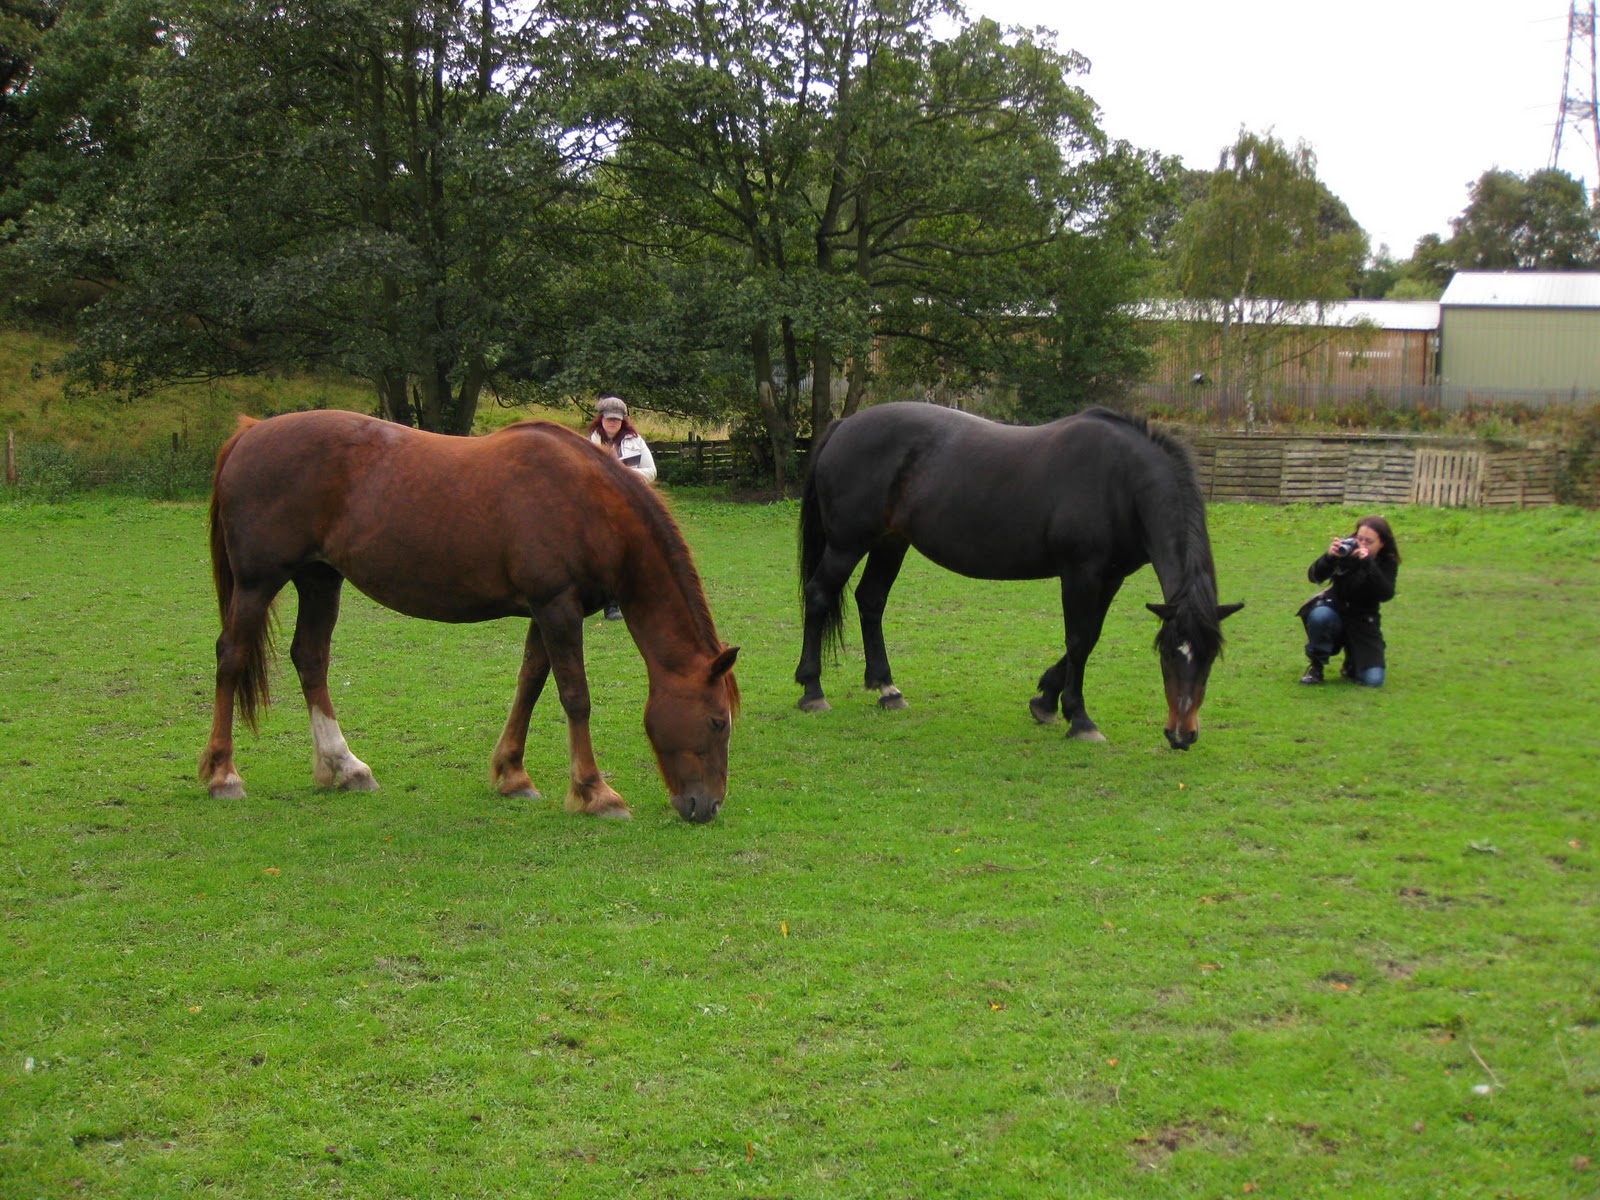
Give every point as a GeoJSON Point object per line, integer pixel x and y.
{"type": "Point", "coordinates": [332, 764]}
{"type": "Point", "coordinates": [821, 603]}
{"type": "Point", "coordinates": [872, 596]}
{"type": "Point", "coordinates": [506, 770]}
{"type": "Point", "coordinates": [241, 652]}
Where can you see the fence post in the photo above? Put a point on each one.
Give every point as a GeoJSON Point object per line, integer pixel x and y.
{"type": "Point", "coordinates": [11, 458]}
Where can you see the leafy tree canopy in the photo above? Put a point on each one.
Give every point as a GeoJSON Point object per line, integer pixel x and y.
{"type": "Point", "coordinates": [1266, 240]}
{"type": "Point", "coordinates": [1540, 222]}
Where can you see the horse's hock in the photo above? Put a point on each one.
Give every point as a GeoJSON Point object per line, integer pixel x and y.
{"type": "Point", "coordinates": [1372, 470]}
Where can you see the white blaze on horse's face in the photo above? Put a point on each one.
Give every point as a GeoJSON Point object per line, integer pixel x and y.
{"type": "Point", "coordinates": [1185, 678]}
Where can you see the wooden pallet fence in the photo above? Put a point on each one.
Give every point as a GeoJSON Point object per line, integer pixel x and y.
{"type": "Point", "coordinates": [1448, 478]}
{"type": "Point", "coordinates": [1370, 471]}
{"type": "Point", "coordinates": [1313, 473]}
{"type": "Point", "coordinates": [1379, 475]}
{"type": "Point", "coordinates": [1246, 470]}
{"type": "Point", "coordinates": [1520, 479]}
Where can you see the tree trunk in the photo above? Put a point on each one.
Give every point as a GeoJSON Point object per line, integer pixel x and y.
{"type": "Point", "coordinates": [780, 429]}
{"type": "Point", "coordinates": [821, 384]}
{"type": "Point", "coordinates": [856, 389]}
{"type": "Point", "coordinates": [465, 409]}
{"type": "Point", "coordinates": [394, 403]}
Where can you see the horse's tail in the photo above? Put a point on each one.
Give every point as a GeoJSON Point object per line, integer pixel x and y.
{"type": "Point", "coordinates": [251, 693]}
{"type": "Point", "coordinates": [813, 542]}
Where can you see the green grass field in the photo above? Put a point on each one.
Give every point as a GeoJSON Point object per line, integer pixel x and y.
{"type": "Point", "coordinates": [1346, 947]}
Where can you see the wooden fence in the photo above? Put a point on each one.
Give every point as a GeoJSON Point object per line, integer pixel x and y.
{"type": "Point", "coordinates": [712, 461]}
{"type": "Point", "coordinates": [1358, 469]}
{"type": "Point", "coordinates": [1371, 470]}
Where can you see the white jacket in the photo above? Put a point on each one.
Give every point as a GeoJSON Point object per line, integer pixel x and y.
{"type": "Point", "coordinates": [632, 446]}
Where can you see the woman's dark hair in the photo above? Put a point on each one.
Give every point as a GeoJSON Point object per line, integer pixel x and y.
{"type": "Point", "coordinates": [1378, 525]}
{"type": "Point", "coordinates": [627, 429]}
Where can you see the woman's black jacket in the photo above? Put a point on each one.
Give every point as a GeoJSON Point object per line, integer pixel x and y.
{"type": "Point", "coordinates": [1356, 587]}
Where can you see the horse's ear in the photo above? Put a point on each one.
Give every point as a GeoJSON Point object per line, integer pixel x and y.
{"type": "Point", "coordinates": [723, 663]}
{"type": "Point", "coordinates": [1164, 611]}
{"type": "Point", "coordinates": [1224, 611]}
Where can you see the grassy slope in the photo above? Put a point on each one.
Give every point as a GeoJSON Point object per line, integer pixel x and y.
{"type": "Point", "coordinates": [941, 952]}
{"type": "Point", "coordinates": [32, 405]}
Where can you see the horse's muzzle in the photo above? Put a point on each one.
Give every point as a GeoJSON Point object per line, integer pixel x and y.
{"type": "Point", "coordinates": [1182, 739]}
{"type": "Point", "coordinates": [699, 809]}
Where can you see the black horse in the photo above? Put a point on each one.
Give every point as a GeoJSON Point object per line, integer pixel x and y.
{"type": "Point", "coordinates": [1090, 498]}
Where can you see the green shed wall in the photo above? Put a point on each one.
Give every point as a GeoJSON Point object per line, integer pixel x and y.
{"type": "Point", "coordinates": [1520, 350]}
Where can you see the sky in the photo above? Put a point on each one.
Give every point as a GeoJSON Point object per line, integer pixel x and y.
{"type": "Point", "coordinates": [1404, 104]}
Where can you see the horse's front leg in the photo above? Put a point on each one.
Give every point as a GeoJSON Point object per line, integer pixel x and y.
{"type": "Point", "coordinates": [1083, 607]}
{"type": "Point", "coordinates": [872, 597]}
{"type": "Point", "coordinates": [506, 770]}
{"type": "Point", "coordinates": [561, 626]}
{"type": "Point", "coordinates": [332, 763]}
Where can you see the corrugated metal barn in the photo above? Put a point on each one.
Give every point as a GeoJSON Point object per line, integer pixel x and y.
{"type": "Point", "coordinates": [1373, 351]}
{"type": "Point", "coordinates": [1529, 336]}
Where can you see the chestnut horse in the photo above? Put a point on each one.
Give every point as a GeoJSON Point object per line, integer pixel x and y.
{"type": "Point", "coordinates": [1090, 498]}
{"type": "Point", "coordinates": [531, 521]}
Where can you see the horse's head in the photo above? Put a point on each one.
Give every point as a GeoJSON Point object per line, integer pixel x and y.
{"type": "Point", "coordinates": [1188, 642]}
{"type": "Point", "coordinates": [688, 718]}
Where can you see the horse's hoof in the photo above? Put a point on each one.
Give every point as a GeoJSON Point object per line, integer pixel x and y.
{"type": "Point", "coordinates": [231, 788]}
{"type": "Point", "coordinates": [601, 803]}
{"type": "Point", "coordinates": [1091, 734]}
{"type": "Point", "coordinates": [358, 781]}
{"type": "Point", "coordinates": [523, 793]}
{"type": "Point", "coordinates": [1043, 713]}
{"type": "Point", "coordinates": [893, 702]}
{"type": "Point", "coordinates": [817, 704]}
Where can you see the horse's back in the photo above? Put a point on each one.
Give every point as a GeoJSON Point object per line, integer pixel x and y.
{"type": "Point", "coordinates": [977, 497]}
{"type": "Point", "coordinates": [401, 512]}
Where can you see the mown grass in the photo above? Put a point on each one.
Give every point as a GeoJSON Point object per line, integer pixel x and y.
{"type": "Point", "coordinates": [1346, 946]}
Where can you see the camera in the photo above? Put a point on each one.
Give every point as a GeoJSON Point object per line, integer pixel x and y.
{"type": "Point", "coordinates": [1347, 547]}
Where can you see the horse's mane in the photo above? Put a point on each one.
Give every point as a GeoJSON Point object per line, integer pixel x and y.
{"type": "Point", "coordinates": [680, 561]}
{"type": "Point", "coordinates": [652, 508]}
{"type": "Point", "coordinates": [663, 529]}
{"type": "Point", "coordinates": [1195, 600]}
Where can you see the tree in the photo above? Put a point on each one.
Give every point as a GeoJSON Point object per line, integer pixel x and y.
{"type": "Point", "coordinates": [853, 183]}
{"type": "Point", "coordinates": [23, 24]}
{"type": "Point", "coordinates": [1540, 223]}
{"type": "Point", "coordinates": [1266, 244]}
{"type": "Point", "coordinates": [368, 184]}
{"type": "Point", "coordinates": [1426, 274]}
{"type": "Point", "coordinates": [1091, 345]}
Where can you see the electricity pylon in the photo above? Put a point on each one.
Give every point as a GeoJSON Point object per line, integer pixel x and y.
{"type": "Point", "coordinates": [1579, 107]}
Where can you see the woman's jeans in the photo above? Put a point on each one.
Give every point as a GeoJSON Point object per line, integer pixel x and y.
{"type": "Point", "coordinates": [1325, 638]}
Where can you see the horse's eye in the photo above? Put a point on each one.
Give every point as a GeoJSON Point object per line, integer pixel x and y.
{"type": "Point", "coordinates": [719, 723]}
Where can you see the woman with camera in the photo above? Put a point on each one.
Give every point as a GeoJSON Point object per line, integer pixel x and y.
{"type": "Point", "coordinates": [1360, 572]}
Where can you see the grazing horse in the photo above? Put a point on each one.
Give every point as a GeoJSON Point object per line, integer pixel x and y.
{"type": "Point", "coordinates": [1090, 498]}
{"type": "Point", "coordinates": [531, 521]}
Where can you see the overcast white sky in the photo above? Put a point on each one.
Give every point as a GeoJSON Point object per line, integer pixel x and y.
{"type": "Point", "coordinates": [1404, 103]}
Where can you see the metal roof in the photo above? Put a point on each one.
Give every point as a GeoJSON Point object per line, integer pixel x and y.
{"type": "Point", "coordinates": [1523, 289]}
{"type": "Point", "coordinates": [1382, 314]}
